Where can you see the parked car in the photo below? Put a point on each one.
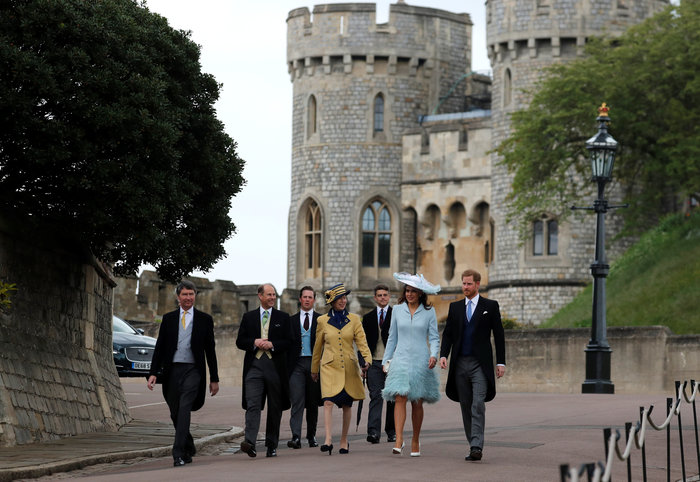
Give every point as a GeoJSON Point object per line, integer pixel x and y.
{"type": "Point", "coordinates": [132, 349]}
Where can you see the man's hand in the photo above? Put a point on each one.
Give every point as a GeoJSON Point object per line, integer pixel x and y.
{"type": "Point", "coordinates": [443, 362]}
{"type": "Point", "coordinates": [213, 388]}
{"type": "Point", "coordinates": [151, 382]}
{"type": "Point", "coordinates": [500, 371]}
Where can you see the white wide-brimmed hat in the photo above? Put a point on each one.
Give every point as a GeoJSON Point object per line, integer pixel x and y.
{"type": "Point", "coordinates": [417, 281]}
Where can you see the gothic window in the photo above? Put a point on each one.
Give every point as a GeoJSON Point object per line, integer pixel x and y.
{"type": "Point", "coordinates": [507, 88]}
{"type": "Point", "coordinates": [463, 139]}
{"type": "Point", "coordinates": [545, 237]}
{"type": "Point", "coordinates": [311, 117]}
{"type": "Point", "coordinates": [312, 240]}
{"type": "Point", "coordinates": [425, 142]}
{"type": "Point", "coordinates": [379, 113]}
{"type": "Point", "coordinates": [376, 236]}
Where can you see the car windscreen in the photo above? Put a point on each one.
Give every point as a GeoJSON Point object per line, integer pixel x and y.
{"type": "Point", "coordinates": [121, 326]}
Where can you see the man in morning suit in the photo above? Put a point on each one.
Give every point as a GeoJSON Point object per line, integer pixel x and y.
{"type": "Point", "coordinates": [470, 380]}
{"type": "Point", "coordinates": [185, 339]}
{"type": "Point", "coordinates": [303, 391]}
{"type": "Point", "coordinates": [376, 325]}
{"type": "Point", "coordinates": [265, 336]}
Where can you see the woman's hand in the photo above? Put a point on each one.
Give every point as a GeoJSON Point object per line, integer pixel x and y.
{"type": "Point", "coordinates": [432, 362]}
{"type": "Point", "coordinates": [314, 377]}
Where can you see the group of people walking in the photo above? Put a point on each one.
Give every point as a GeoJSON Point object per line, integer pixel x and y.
{"type": "Point", "coordinates": [309, 360]}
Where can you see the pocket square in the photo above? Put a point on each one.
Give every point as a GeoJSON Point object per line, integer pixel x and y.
{"type": "Point", "coordinates": [484, 312]}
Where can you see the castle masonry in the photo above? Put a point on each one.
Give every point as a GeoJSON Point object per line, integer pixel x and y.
{"type": "Point", "coordinates": [357, 87]}
{"type": "Point", "coordinates": [524, 37]}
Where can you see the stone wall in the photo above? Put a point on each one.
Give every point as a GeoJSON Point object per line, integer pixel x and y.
{"type": "Point", "coordinates": [57, 375]}
{"type": "Point", "coordinates": [147, 298]}
{"type": "Point", "coordinates": [644, 359]}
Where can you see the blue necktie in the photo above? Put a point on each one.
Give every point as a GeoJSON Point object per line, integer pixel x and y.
{"type": "Point", "coordinates": [469, 310]}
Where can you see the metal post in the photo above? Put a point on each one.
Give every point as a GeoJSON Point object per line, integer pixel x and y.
{"type": "Point", "coordinates": [644, 447]}
{"type": "Point", "coordinates": [598, 351]}
{"type": "Point", "coordinates": [680, 427]}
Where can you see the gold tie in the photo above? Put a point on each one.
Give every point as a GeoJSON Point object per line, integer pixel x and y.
{"type": "Point", "coordinates": [183, 319]}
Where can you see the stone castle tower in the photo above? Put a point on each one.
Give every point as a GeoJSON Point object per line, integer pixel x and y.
{"type": "Point", "coordinates": [358, 86]}
{"type": "Point", "coordinates": [391, 168]}
{"type": "Point", "coordinates": [523, 37]}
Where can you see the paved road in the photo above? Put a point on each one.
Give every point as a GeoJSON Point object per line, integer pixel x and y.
{"type": "Point", "coordinates": [528, 436]}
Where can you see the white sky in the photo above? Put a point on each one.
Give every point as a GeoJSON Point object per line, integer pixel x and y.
{"type": "Point", "coordinates": [244, 46]}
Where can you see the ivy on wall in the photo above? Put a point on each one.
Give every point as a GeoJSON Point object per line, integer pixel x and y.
{"type": "Point", "coordinates": [6, 295]}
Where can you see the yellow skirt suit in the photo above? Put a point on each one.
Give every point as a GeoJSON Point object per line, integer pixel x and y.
{"type": "Point", "coordinates": [335, 356]}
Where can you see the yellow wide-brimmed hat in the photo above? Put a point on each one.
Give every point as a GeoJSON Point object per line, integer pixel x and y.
{"type": "Point", "coordinates": [335, 292]}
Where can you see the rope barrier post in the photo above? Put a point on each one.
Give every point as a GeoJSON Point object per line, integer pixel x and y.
{"type": "Point", "coordinates": [590, 471]}
{"type": "Point", "coordinates": [628, 427]}
{"type": "Point", "coordinates": [680, 427]}
{"type": "Point", "coordinates": [669, 406]}
{"type": "Point", "coordinates": [695, 424]}
{"type": "Point", "coordinates": [564, 472]}
{"type": "Point", "coordinates": [606, 439]}
{"type": "Point", "coordinates": [644, 448]}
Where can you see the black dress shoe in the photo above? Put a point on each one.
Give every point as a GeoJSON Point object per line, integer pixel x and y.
{"type": "Point", "coordinates": [187, 459]}
{"type": "Point", "coordinates": [248, 448]}
{"type": "Point", "coordinates": [374, 439]}
{"type": "Point", "coordinates": [391, 438]}
{"type": "Point", "coordinates": [474, 454]}
{"type": "Point", "coordinates": [271, 452]}
{"type": "Point", "coordinates": [179, 462]}
{"type": "Point", "coordinates": [295, 443]}
{"type": "Point", "coordinates": [312, 441]}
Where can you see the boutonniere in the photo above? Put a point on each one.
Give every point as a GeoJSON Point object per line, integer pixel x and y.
{"type": "Point", "coordinates": [484, 312]}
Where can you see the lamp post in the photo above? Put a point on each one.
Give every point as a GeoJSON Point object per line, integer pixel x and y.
{"type": "Point", "coordinates": [602, 148]}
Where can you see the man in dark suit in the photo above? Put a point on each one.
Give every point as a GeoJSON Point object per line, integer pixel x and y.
{"type": "Point", "coordinates": [303, 391]}
{"type": "Point", "coordinates": [265, 336]}
{"type": "Point", "coordinates": [376, 325]}
{"type": "Point", "coordinates": [185, 339]}
{"type": "Point", "coordinates": [470, 380]}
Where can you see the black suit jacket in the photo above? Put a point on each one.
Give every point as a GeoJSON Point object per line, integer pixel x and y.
{"type": "Point", "coordinates": [487, 317]}
{"type": "Point", "coordinates": [202, 345]}
{"type": "Point", "coordinates": [370, 323]}
{"type": "Point", "coordinates": [295, 352]}
{"type": "Point", "coordinates": [280, 336]}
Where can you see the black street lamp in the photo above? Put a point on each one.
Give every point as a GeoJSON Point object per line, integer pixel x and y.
{"type": "Point", "coordinates": [602, 148]}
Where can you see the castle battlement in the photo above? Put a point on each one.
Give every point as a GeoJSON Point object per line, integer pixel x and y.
{"type": "Point", "coordinates": [342, 35]}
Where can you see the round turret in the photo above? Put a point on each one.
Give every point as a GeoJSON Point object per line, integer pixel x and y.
{"type": "Point", "coordinates": [357, 86]}
{"type": "Point", "coordinates": [533, 280]}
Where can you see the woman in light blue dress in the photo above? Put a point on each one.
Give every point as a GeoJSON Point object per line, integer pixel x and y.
{"type": "Point", "coordinates": [410, 356]}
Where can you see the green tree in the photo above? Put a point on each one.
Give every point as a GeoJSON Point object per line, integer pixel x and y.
{"type": "Point", "coordinates": [110, 135]}
{"type": "Point", "coordinates": [650, 79]}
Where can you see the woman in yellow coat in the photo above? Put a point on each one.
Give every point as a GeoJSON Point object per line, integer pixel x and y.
{"type": "Point", "coordinates": [335, 357]}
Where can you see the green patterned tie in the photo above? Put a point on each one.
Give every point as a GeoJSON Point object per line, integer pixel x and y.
{"type": "Point", "coordinates": [265, 319]}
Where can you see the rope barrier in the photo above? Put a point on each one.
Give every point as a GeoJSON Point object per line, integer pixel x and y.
{"type": "Point", "coordinates": [602, 473]}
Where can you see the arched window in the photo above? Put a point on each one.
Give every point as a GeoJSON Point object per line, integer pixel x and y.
{"type": "Point", "coordinates": [376, 236]}
{"type": "Point", "coordinates": [379, 113]}
{"type": "Point", "coordinates": [312, 241]}
{"type": "Point", "coordinates": [545, 237]}
{"type": "Point", "coordinates": [311, 117]}
{"type": "Point", "coordinates": [507, 88]}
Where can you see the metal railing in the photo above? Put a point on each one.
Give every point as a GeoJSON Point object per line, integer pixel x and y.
{"type": "Point", "coordinates": [635, 437]}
